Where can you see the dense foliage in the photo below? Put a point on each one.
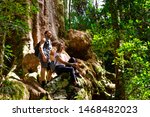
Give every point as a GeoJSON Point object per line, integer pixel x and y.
{"type": "Point", "coordinates": [83, 15]}
{"type": "Point", "coordinates": [134, 61]}
{"type": "Point", "coordinates": [121, 31]}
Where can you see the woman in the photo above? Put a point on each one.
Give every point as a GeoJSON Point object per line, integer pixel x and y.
{"type": "Point", "coordinates": [62, 64]}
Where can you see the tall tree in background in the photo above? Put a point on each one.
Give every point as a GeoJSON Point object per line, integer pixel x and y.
{"type": "Point", "coordinates": [124, 27]}
{"type": "Point", "coordinates": [134, 49]}
{"type": "Point", "coordinates": [82, 14]}
{"type": "Point", "coordinates": [70, 2]}
{"type": "Point", "coordinates": [115, 10]}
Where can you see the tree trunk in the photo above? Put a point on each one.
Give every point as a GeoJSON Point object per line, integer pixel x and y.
{"type": "Point", "coordinates": [2, 50]}
{"type": "Point", "coordinates": [49, 17]}
{"type": "Point", "coordinates": [96, 4]}
{"type": "Point", "coordinates": [69, 14]}
{"type": "Point", "coordinates": [115, 23]}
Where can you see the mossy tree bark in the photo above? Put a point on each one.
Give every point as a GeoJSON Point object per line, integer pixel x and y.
{"type": "Point", "coordinates": [2, 47]}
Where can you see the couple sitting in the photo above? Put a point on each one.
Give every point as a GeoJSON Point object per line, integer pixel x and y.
{"type": "Point", "coordinates": [51, 50]}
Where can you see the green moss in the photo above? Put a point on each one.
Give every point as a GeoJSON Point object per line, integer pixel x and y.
{"type": "Point", "coordinates": [12, 90]}
{"type": "Point", "coordinates": [99, 69]}
{"type": "Point", "coordinates": [101, 86]}
{"type": "Point", "coordinates": [82, 94]}
{"type": "Point", "coordinates": [65, 83]}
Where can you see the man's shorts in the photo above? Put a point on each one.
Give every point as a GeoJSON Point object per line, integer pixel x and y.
{"type": "Point", "coordinates": [43, 64]}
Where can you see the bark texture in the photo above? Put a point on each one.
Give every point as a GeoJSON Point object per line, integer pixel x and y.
{"type": "Point", "coordinates": [49, 17]}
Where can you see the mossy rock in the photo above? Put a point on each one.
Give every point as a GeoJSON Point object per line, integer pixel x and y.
{"type": "Point", "coordinates": [82, 94]}
{"type": "Point", "coordinates": [13, 90]}
{"type": "Point", "coordinates": [58, 83]}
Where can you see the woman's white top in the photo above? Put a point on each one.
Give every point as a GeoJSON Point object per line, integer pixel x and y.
{"type": "Point", "coordinates": [63, 57]}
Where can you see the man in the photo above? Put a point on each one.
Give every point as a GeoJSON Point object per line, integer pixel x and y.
{"type": "Point", "coordinates": [45, 48]}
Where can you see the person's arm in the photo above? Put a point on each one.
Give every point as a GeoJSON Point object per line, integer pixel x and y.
{"type": "Point", "coordinates": [41, 49]}
{"type": "Point", "coordinates": [64, 62]}
{"type": "Point", "coordinates": [52, 54]}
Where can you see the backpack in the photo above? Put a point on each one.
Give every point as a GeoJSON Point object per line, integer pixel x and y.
{"type": "Point", "coordinates": [36, 49]}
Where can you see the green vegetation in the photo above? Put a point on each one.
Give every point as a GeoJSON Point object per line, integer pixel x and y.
{"type": "Point", "coordinates": [133, 59]}
{"type": "Point", "coordinates": [13, 26]}
{"type": "Point", "coordinates": [13, 90]}
{"type": "Point", "coordinates": [120, 31]}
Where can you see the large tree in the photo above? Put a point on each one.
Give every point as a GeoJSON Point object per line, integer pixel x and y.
{"type": "Point", "coordinates": [13, 26]}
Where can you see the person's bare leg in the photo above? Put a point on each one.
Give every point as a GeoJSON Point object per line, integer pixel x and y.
{"type": "Point", "coordinates": [42, 78]}
{"type": "Point", "coordinates": [49, 75]}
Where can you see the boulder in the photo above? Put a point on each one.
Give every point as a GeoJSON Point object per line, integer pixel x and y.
{"type": "Point", "coordinates": [76, 37]}
{"type": "Point", "coordinates": [34, 88]}
{"type": "Point", "coordinates": [12, 89]}
{"type": "Point", "coordinates": [30, 63]}
{"type": "Point", "coordinates": [78, 45]}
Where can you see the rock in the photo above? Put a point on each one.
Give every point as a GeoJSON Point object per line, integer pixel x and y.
{"type": "Point", "coordinates": [110, 88]}
{"type": "Point", "coordinates": [13, 90]}
{"type": "Point", "coordinates": [82, 94]}
{"type": "Point", "coordinates": [58, 83]}
{"type": "Point", "coordinates": [30, 63]}
{"type": "Point", "coordinates": [61, 88]}
{"type": "Point", "coordinates": [111, 76]}
{"type": "Point", "coordinates": [13, 76]}
{"type": "Point", "coordinates": [75, 38]}
{"type": "Point", "coordinates": [60, 95]}
{"type": "Point", "coordinates": [100, 83]}
{"type": "Point", "coordinates": [36, 91]}
{"type": "Point", "coordinates": [101, 96]}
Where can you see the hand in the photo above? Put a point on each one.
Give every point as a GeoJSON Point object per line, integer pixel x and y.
{"type": "Point", "coordinates": [75, 65]}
